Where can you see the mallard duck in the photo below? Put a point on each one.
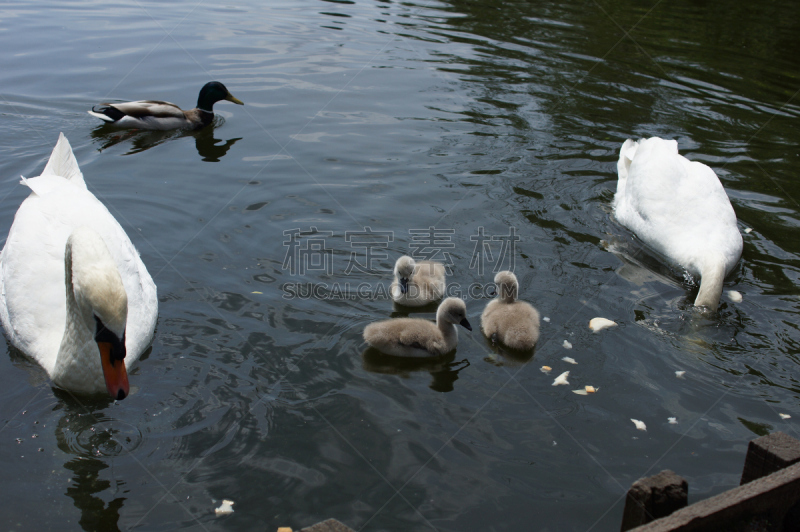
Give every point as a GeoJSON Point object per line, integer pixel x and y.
{"type": "Point", "coordinates": [679, 208]}
{"type": "Point", "coordinates": [417, 283]}
{"type": "Point", "coordinates": [415, 337]}
{"type": "Point", "coordinates": [74, 294]}
{"type": "Point", "coordinates": [508, 321]}
{"type": "Point", "coordinates": [153, 114]}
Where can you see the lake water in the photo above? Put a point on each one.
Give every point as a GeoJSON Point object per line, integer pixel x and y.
{"type": "Point", "coordinates": [482, 134]}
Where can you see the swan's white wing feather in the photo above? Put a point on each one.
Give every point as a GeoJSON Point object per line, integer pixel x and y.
{"type": "Point", "coordinates": [34, 321]}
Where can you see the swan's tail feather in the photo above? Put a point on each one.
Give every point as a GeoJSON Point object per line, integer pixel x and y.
{"type": "Point", "coordinates": [63, 163]}
{"type": "Point", "coordinates": [626, 155]}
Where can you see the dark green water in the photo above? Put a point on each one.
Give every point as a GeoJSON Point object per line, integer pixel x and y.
{"type": "Point", "coordinates": [402, 117]}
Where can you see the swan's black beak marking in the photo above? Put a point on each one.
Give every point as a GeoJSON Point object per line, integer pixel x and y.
{"type": "Point", "coordinates": [464, 323]}
{"type": "Point", "coordinates": [112, 360]}
{"type": "Point", "coordinates": [403, 285]}
{"type": "Point", "coordinates": [102, 334]}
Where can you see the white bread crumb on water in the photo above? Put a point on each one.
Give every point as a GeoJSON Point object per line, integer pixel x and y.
{"type": "Point", "coordinates": [561, 379]}
{"type": "Point", "coordinates": [225, 508]}
{"type": "Point", "coordinates": [598, 324]}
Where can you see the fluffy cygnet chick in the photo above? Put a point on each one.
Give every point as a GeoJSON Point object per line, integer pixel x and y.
{"type": "Point", "coordinates": [508, 321]}
{"type": "Point", "coordinates": [417, 283]}
{"type": "Point", "coordinates": [415, 337]}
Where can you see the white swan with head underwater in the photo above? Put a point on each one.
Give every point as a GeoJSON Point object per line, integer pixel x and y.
{"type": "Point", "coordinates": [74, 294]}
{"type": "Point", "coordinates": [678, 208]}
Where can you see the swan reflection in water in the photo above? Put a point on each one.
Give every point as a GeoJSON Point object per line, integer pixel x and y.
{"type": "Point", "coordinates": [90, 441]}
{"type": "Point", "coordinates": [93, 440]}
{"type": "Point", "coordinates": [209, 148]}
{"type": "Point", "coordinates": [443, 370]}
{"type": "Point", "coordinates": [502, 355]}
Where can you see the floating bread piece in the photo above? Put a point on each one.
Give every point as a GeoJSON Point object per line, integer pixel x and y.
{"type": "Point", "coordinates": [748, 229]}
{"type": "Point", "coordinates": [580, 392]}
{"type": "Point", "coordinates": [639, 424]}
{"type": "Point", "coordinates": [590, 389]}
{"type": "Point", "coordinates": [598, 324]}
{"type": "Point", "coordinates": [561, 379]}
{"type": "Point", "coordinates": [680, 374]}
{"type": "Point", "coordinates": [285, 529]}
{"type": "Point", "coordinates": [567, 345]}
{"type": "Point", "coordinates": [225, 509]}
{"type": "Point", "coordinates": [734, 296]}
{"type": "Point", "coordinates": [546, 319]}
{"type": "Point", "coordinates": [545, 369]}
{"type": "Point", "coordinates": [785, 416]}
{"type": "Point", "coordinates": [569, 360]}
{"type": "Point", "coordinates": [672, 420]}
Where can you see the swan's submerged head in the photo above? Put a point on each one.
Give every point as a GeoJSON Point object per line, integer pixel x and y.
{"type": "Point", "coordinates": [453, 310]}
{"type": "Point", "coordinates": [101, 300]}
{"type": "Point", "coordinates": [507, 286]}
{"type": "Point", "coordinates": [403, 270]}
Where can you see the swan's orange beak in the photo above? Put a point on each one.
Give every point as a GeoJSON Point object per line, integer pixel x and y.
{"type": "Point", "coordinates": [114, 372]}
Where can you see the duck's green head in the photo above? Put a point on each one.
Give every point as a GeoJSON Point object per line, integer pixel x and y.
{"type": "Point", "coordinates": [211, 93]}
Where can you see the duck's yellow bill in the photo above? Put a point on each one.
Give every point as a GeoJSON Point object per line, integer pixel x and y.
{"type": "Point", "coordinates": [231, 98]}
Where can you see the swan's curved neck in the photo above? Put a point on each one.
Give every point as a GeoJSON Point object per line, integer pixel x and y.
{"type": "Point", "coordinates": [447, 327]}
{"type": "Point", "coordinates": [77, 361]}
{"type": "Point", "coordinates": [711, 278]}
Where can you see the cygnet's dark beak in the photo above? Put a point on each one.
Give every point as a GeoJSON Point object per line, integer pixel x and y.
{"type": "Point", "coordinates": [403, 285]}
{"type": "Point", "coordinates": [464, 323]}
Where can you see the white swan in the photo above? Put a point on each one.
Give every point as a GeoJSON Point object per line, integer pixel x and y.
{"type": "Point", "coordinates": [508, 321]}
{"type": "Point", "coordinates": [74, 294]}
{"type": "Point", "coordinates": [415, 337]}
{"type": "Point", "coordinates": [417, 283]}
{"type": "Point", "coordinates": [680, 209]}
